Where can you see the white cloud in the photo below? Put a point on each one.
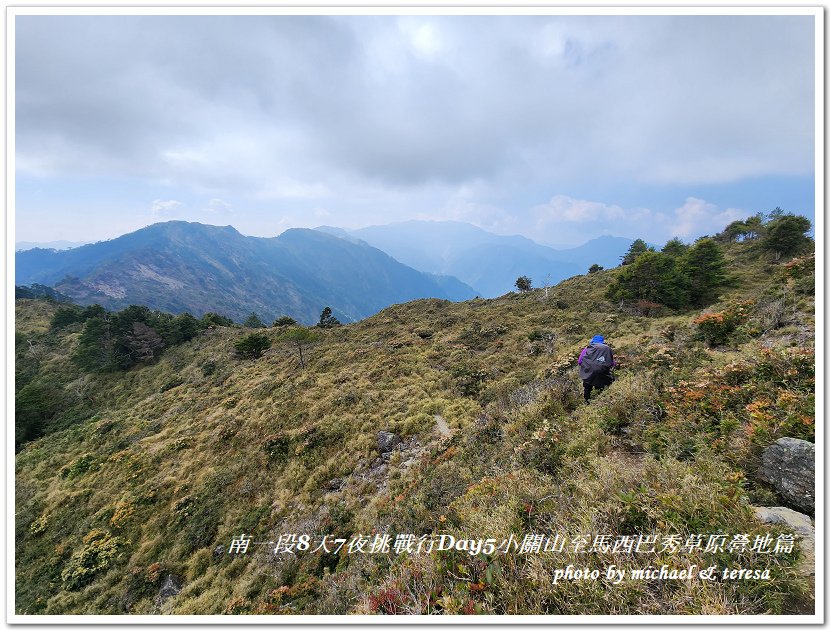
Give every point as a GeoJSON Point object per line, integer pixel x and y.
{"type": "Point", "coordinates": [653, 99]}
{"type": "Point", "coordinates": [566, 218]}
{"type": "Point", "coordinates": [218, 206]}
{"type": "Point", "coordinates": [167, 209]}
{"type": "Point", "coordinates": [697, 216]}
{"type": "Point", "coordinates": [424, 37]}
{"type": "Point", "coordinates": [564, 208]}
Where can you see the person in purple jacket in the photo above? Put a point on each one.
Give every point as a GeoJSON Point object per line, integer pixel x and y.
{"type": "Point", "coordinates": [595, 363]}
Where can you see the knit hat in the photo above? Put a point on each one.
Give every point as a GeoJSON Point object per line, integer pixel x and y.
{"type": "Point", "coordinates": [598, 339]}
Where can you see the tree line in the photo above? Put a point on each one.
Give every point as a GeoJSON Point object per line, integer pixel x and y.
{"type": "Point", "coordinates": [683, 276]}
{"type": "Point", "coordinates": [113, 341]}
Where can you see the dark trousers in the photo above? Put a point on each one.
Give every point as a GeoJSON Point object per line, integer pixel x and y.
{"type": "Point", "coordinates": [597, 382]}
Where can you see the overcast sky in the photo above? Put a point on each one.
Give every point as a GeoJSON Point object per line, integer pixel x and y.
{"type": "Point", "coordinates": [558, 128]}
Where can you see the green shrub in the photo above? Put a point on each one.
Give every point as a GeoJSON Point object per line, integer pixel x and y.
{"type": "Point", "coordinates": [252, 346]}
{"type": "Point", "coordinates": [65, 316]}
{"type": "Point", "coordinates": [214, 319]}
{"type": "Point", "coordinates": [39, 525]}
{"type": "Point", "coordinates": [277, 448]}
{"type": "Point", "coordinates": [469, 379]}
{"type": "Point", "coordinates": [173, 382]}
{"type": "Point", "coordinates": [83, 464]}
{"type": "Point", "coordinates": [100, 551]}
{"type": "Point", "coordinates": [208, 368]}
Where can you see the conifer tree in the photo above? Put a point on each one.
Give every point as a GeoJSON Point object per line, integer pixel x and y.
{"type": "Point", "coordinates": [524, 284]}
{"type": "Point", "coordinates": [786, 235]}
{"type": "Point", "coordinates": [674, 247]}
{"type": "Point", "coordinates": [301, 338]}
{"type": "Point", "coordinates": [285, 320]}
{"type": "Point", "coordinates": [704, 268]}
{"type": "Point", "coordinates": [327, 320]}
{"type": "Point", "coordinates": [253, 321]}
{"type": "Point", "coordinates": [638, 247]}
{"type": "Point", "coordinates": [653, 276]}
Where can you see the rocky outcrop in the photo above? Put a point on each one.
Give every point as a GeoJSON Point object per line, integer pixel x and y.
{"type": "Point", "coordinates": [387, 441]}
{"type": "Point", "coordinates": [789, 465]}
{"type": "Point", "coordinates": [172, 585]}
{"type": "Point", "coordinates": [335, 485]}
{"type": "Point", "coordinates": [801, 525]}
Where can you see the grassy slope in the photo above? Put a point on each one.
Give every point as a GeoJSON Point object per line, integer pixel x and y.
{"type": "Point", "coordinates": [162, 475]}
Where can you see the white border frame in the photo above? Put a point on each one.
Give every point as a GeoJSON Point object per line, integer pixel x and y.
{"type": "Point", "coordinates": [460, 8]}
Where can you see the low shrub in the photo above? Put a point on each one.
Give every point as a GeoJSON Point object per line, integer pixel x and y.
{"type": "Point", "coordinates": [100, 551]}
{"type": "Point", "coordinates": [716, 328]}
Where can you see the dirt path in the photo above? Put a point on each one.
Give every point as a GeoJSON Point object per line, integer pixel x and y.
{"type": "Point", "coordinates": [443, 429]}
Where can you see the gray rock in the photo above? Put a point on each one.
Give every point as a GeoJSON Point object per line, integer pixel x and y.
{"type": "Point", "coordinates": [801, 525]}
{"type": "Point", "coordinates": [170, 586]}
{"type": "Point", "coordinates": [789, 465]}
{"type": "Point", "coordinates": [335, 485]}
{"type": "Point", "coordinates": [128, 600]}
{"type": "Point", "coordinates": [387, 441]}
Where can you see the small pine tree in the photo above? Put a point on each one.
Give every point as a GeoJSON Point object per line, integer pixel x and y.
{"type": "Point", "coordinates": [654, 277]}
{"type": "Point", "coordinates": [674, 247]}
{"type": "Point", "coordinates": [300, 338]}
{"type": "Point", "coordinates": [184, 327]}
{"type": "Point", "coordinates": [524, 284]}
{"type": "Point", "coordinates": [754, 227]}
{"type": "Point", "coordinates": [284, 321]}
{"type": "Point", "coordinates": [214, 319]}
{"type": "Point", "coordinates": [735, 231]}
{"type": "Point", "coordinates": [704, 267]}
{"type": "Point", "coordinates": [65, 316]}
{"type": "Point", "coordinates": [595, 268]}
{"type": "Point", "coordinates": [637, 248]}
{"type": "Point", "coordinates": [96, 346]}
{"type": "Point", "coordinates": [253, 321]}
{"type": "Point", "coordinates": [327, 320]}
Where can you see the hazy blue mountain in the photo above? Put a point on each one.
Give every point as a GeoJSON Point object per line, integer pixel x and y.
{"type": "Point", "coordinates": [336, 231]}
{"type": "Point", "coordinates": [59, 245]}
{"type": "Point", "coordinates": [488, 262]}
{"type": "Point", "coordinates": [179, 266]}
{"type": "Point", "coordinates": [425, 245]}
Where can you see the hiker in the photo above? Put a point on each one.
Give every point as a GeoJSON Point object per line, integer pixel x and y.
{"type": "Point", "coordinates": [595, 363]}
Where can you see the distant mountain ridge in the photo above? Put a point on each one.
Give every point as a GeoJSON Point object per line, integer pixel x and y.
{"type": "Point", "coordinates": [490, 263]}
{"type": "Point", "coordinates": [59, 245]}
{"type": "Point", "coordinates": [179, 266]}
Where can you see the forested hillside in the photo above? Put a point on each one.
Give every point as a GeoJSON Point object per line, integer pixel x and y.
{"type": "Point", "coordinates": [137, 480]}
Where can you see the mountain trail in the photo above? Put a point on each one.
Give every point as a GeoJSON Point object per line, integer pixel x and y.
{"type": "Point", "coordinates": [443, 428]}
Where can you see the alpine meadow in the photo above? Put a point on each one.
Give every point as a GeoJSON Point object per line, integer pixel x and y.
{"type": "Point", "coordinates": [168, 464]}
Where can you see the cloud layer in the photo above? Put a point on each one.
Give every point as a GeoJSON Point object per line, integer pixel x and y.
{"type": "Point", "coordinates": [370, 119]}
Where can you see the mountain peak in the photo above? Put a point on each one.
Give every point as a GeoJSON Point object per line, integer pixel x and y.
{"type": "Point", "coordinates": [180, 266]}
